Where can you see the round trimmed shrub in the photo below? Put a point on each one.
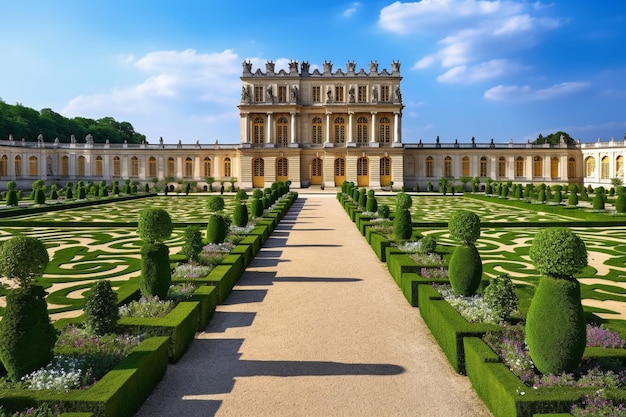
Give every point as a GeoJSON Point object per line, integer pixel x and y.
{"type": "Point", "coordinates": [101, 311]}
{"type": "Point", "coordinates": [465, 270]}
{"type": "Point", "coordinates": [27, 337]}
{"type": "Point", "coordinates": [572, 200]}
{"type": "Point", "coordinates": [403, 201]}
{"type": "Point", "coordinates": [464, 225]}
{"type": "Point", "coordinates": [620, 203]}
{"type": "Point", "coordinates": [256, 207]}
{"type": "Point", "coordinates": [558, 252]}
{"type": "Point", "coordinates": [240, 215]}
{"type": "Point", "coordinates": [155, 270]}
{"type": "Point", "coordinates": [598, 201]}
{"type": "Point", "coordinates": [402, 228]}
{"type": "Point", "coordinates": [23, 258]}
{"type": "Point", "coordinates": [241, 195]}
{"type": "Point", "coordinates": [193, 243]}
{"type": "Point", "coordinates": [155, 225]}
{"type": "Point", "coordinates": [216, 230]}
{"type": "Point", "coordinates": [257, 193]}
{"type": "Point", "coordinates": [215, 203]}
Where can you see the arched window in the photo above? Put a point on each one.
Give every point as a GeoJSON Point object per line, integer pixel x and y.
{"type": "Point", "coordinates": [258, 131]}
{"type": "Point", "coordinates": [430, 166]}
{"type": "Point", "coordinates": [502, 166]}
{"type": "Point", "coordinates": [282, 167]}
{"type": "Point", "coordinates": [99, 169]}
{"type": "Point", "coordinates": [65, 165]}
{"type": "Point", "coordinates": [316, 131]}
{"type": "Point", "coordinates": [80, 166]}
{"type": "Point", "coordinates": [604, 173]}
{"type": "Point", "coordinates": [483, 166]}
{"type": "Point", "coordinates": [571, 168]}
{"type": "Point", "coordinates": [152, 167]}
{"type": "Point", "coordinates": [117, 166]}
{"type": "Point", "coordinates": [206, 167]}
{"type": "Point", "coordinates": [519, 167]}
{"type": "Point", "coordinates": [537, 166]}
{"type": "Point", "coordinates": [227, 168]}
{"type": "Point", "coordinates": [554, 167]}
{"type": "Point", "coordinates": [590, 166]}
{"type": "Point", "coordinates": [361, 130]}
{"type": "Point", "coordinates": [33, 166]}
{"type": "Point", "coordinates": [134, 167]}
{"type": "Point", "coordinates": [18, 166]}
{"type": "Point", "coordinates": [316, 167]}
{"type": "Point", "coordinates": [447, 166]}
{"type": "Point", "coordinates": [4, 166]}
{"type": "Point", "coordinates": [385, 167]}
{"type": "Point", "coordinates": [281, 131]}
{"type": "Point", "coordinates": [466, 166]}
{"type": "Point", "coordinates": [258, 166]}
{"type": "Point", "coordinates": [340, 130]}
{"type": "Point", "coordinates": [171, 167]}
{"type": "Point", "coordinates": [619, 167]}
{"type": "Point", "coordinates": [188, 167]}
{"type": "Point", "coordinates": [384, 130]}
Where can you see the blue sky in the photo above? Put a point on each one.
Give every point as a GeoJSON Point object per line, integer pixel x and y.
{"type": "Point", "coordinates": [489, 69]}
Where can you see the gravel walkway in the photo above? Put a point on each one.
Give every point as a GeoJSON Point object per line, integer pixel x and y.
{"type": "Point", "coordinates": [315, 327]}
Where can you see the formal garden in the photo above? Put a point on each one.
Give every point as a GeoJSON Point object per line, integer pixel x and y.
{"type": "Point", "coordinates": [525, 295]}
{"type": "Point", "coordinates": [101, 292]}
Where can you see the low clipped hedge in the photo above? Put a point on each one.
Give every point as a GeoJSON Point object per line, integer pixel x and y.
{"type": "Point", "coordinates": [379, 244]}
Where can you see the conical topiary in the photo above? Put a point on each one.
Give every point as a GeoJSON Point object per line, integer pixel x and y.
{"type": "Point", "coordinates": [572, 200]}
{"type": "Point", "coordinates": [555, 324]}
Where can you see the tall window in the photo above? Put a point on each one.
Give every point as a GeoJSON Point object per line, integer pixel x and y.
{"type": "Point", "coordinates": [282, 167]}
{"type": "Point", "coordinates": [590, 166]}
{"type": "Point", "coordinates": [258, 167]}
{"type": "Point", "coordinates": [384, 130]}
{"type": "Point", "coordinates": [362, 94]}
{"type": "Point", "coordinates": [99, 169]}
{"type": "Point", "coordinates": [206, 167]}
{"type": "Point", "coordinates": [258, 93]}
{"type": "Point", "coordinates": [316, 94]}
{"type": "Point", "coordinates": [227, 167]}
{"type": "Point", "coordinates": [340, 130]}
{"type": "Point", "coordinates": [385, 167]}
{"type": "Point", "coordinates": [537, 166]}
{"type": "Point", "coordinates": [33, 166]}
{"type": "Point", "coordinates": [483, 166]}
{"type": "Point", "coordinates": [619, 166]}
{"type": "Point", "coordinates": [340, 167]}
{"type": "Point", "coordinates": [281, 131]}
{"type": "Point", "coordinates": [65, 165]}
{"type": "Point", "coordinates": [361, 166]}
{"type": "Point", "coordinates": [316, 167]}
{"type": "Point", "coordinates": [152, 167]}
{"type": "Point", "coordinates": [430, 166]}
{"type": "Point", "coordinates": [447, 166]}
{"type": "Point", "coordinates": [554, 167]}
{"type": "Point", "coordinates": [339, 93]}
{"type": "Point", "coordinates": [604, 172]}
{"type": "Point", "coordinates": [80, 166]}
{"type": "Point", "coordinates": [258, 130]}
{"type": "Point", "coordinates": [188, 167]}
{"type": "Point", "coordinates": [316, 131]}
{"type": "Point", "coordinates": [282, 94]}
{"type": "Point", "coordinates": [519, 166]}
{"type": "Point", "coordinates": [361, 130]}
{"type": "Point", "coordinates": [117, 166]}
{"type": "Point", "coordinates": [571, 168]}
{"type": "Point", "coordinates": [134, 167]}
{"type": "Point", "coordinates": [4, 164]}
{"type": "Point", "coordinates": [171, 167]}
{"type": "Point", "coordinates": [465, 162]}
{"type": "Point", "coordinates": [384, 93]}
{"type": "Point", "coordinates": [502, 166]}
{"type": "Point", "coordinates": [18, 166]}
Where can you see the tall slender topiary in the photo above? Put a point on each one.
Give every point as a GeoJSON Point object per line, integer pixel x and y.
{"type": "Point", "coordinates": [363, 198]}
{"type": "Point", "coordinates": [240, 215]}
{"type": "Point", "coordinates": [101, 311]}
{"type": "Point", "coordinates": [620, 203]}
{"type": "Point", "coordinates": [466, 268]}
{"type": "Point", "coordinates": [27, 337]}
{"type": "Point", "coordinates": [193, 243]}
{"type": "Point", "coordinates": [216, 225]}
{"type": "Point", "coordinates": [402, 223]}
{"type": "Point", "coordinates": [555, 324]}
{"type": "Point", "coordinates": [155, 225]}
{"type": "Point", "coordinates": [372, 203]}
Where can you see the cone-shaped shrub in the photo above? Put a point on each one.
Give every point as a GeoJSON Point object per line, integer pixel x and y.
{"type": "Point", "coordinates": [555, 324]}
{"type": "Point", "coordinates": [465, 269]}
{"type": "Point", "coordinates": [115, 189]}
{"type": "Point", "coordinates": [40, 196]}
{"type": "Point", "coordinates": [598, 202]}
{"type": "Point", "coordinates": [69, 194]}
{"type": "Point", "coordinates": [256, 207]}
{"type": "Point", "coordinates": [583, 194]}
{"type": "Point", "coordinates": [81, 193]}
{"type": "Point", "coordinates": [104, 192]}
{"type": "Point", "coordinates": [542, 195]}
{"type": "Point", "coordinates": [572, 200]}
{"type": "Point", "coordinates": [12, 198]}
{"type": "Point", "coordinates": [620, 203]}
{"type": "Point", "coordinates": [216, 230]}
{"type": "Point", "coordinates": [557, 196]}
{"type": "Point", "coordinates": [155, 270]}
{"type": "Point", "coordinates": [101, 311]}
{"type": "Point", "coordinates": [240, 215]}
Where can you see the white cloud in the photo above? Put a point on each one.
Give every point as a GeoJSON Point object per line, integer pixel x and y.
{"type": "Point", "coordinates": [351, 10]}
{"type": "Point", "coordinates": [525, 93]}
{"type": "Point", "coordinates": [477, 73]}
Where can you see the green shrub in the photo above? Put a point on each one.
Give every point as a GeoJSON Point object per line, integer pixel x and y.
{"type": "Point", "coordinates": [257, 193]}
{"type": "Point", "coordinates": [193, 242]}
{"type": "Point", "coordinates": [620, 203]}
{"type": "Point", "coordinates": [241, 195]}
{"type": "Point", "coordinates": [155, 225]}
{"type": "Point", "coordinates": [69, 194]}
{"type": "Point", "coordinates": [81, 193]}
{"type": "Point", "coordinates": [403, 201]}
{"type": "Point", "coordinates": [464, 225]}
{"type": "Point", "coordinates": [558, 252]}
{"type": "Point", "coordinates": [104, 192]}
{"type": "Point", "coordinates": [363, 198]}
{"type": "Point", "coordinates": [384, 211]}
{"type": "Point", "coordinates": [27, 337]}
{"type": "Point", "coordinates": [23, 258]}
{"type": "Point", "coordinates": [101, 312]}
{"type": "Point", "coordinates": [40, 196]}
{"type": "Point", "coordinates": [428, 244]}
{"type": "Point", "coordinates": [572, 200]}
{"type": "Point", "coordinates": [240, 215]}
{"type": "Point", "coordinates": [155, 270]}
{"type": "Point", "coordinates": [402, 227]}
{"type": "Point", "coordinates": [465, 270]}
{"type": "Point", "coordinates": [256, 207]}
{"type": "Point", "coordinates": [12, 198]}
{"type": "Point", "coordinates": [215, 203]}
{"type": "Point", "coordinates": [598, 201]}
{"type": "Point", "coordinates": [372, 203]}
{"type": "Point", "coordinates": [557, 196]}
{"type": "Point", "coordinates": [267, 202]}
{"type": "Point", "coordinates": [500, 296]}
{"type": "Point", "coordinates": [217, 229]}
{"type": "Point", "coordinates": [583, 194]}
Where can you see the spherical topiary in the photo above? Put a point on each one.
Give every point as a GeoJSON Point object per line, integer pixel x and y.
{"type": "Point", "coordinates": [464, 225]}
{"type": "Point", "coordinates": [572, 200]}
{"type": "Point", "coordinates": [27, 337]}
{"type": "Point", "coordinates": [23, 258]}
{"type": "Point", "coordinates": [558, 252]}
{"type": "Point", "coordinates": [193, 243]}
{"type": "Point", "coordinates": [216, 230]}
{"type": "Point", "coordinates": [598, 202]}
{"type": "Point", "coordinates": [257, 193]}
{"type": "Point", "coordinates": [215, 203]}
{"type": "Point", "coordinates": [402, 227]}
{"type": "Point", "coordinates": [155, 270]}
{"type": "Point", "coordinates": [256, 207]}
{"type": "Point", "coordinates": [403, 201]}
{"type": "Point", "coordinates": [241, 195]}
{"type": "Point", "coordinates": [384, 211]}
{"type": "Point", "coordinates": [620, 203]}
{"type": "Point", "coordinates": [155, 225]}
{"type": "Point", "coordinates": [240, 215]}
{"type": "Point", "coordinates": [101, 311]}
{"type": "Point", "coordinates": [465, 270]}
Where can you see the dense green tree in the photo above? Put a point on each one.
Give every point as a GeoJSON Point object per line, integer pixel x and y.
{"type": "Point", "coordinates": [101, 311]}
{"type": "Point", "coordinates": [555, 139]}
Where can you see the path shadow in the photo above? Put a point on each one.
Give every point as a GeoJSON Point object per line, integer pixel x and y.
{"type": "Point", "coordinates": [316, 279]}
{"type": "Point", "coordinates": [224, 320]}
{"type": "Point", "coordinates": [239, 296]}
{"type": "Point", "coordinates": [315, 245]}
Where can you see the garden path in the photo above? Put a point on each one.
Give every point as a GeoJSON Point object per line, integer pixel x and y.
{"type": "Point", "coordinates": [315, 327]}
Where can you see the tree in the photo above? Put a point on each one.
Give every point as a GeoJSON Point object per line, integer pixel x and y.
{"type": "Point", "coordinates": [555, 139]}
{"type": "Point", "coordinates": [101, 311]}
{"type": "Point", "coordinates": [193, 243]}
{"type": "Point", "coordinates": [23, 258]}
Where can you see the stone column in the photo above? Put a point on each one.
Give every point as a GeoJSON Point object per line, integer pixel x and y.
{"type": "Point", "coordinates": [373, 133]}
{"type": "Point", "coordinates": [293, 127]}
{"type": "Point", "coordinates": [327, 127]}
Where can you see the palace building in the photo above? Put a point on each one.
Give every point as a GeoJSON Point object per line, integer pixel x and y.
{"type": "Point", "coordinates": [315, 128]}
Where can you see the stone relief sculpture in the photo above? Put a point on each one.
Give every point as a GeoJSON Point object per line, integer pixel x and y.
{"type": "Point", "coordinates": [294, 93]}
{"type": "Point", "coordinates": [351, 93]}
{"type": "Point", "coordinates": [351, 66]}
{"type": "Point", "coordinates": [398, 94]}
{"type": "Point", "coordinates": [245, 95]}
{"type": "Point", "coordinates": [375, 94]}
{"type": "Point", "coordinates": [329, 94]}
